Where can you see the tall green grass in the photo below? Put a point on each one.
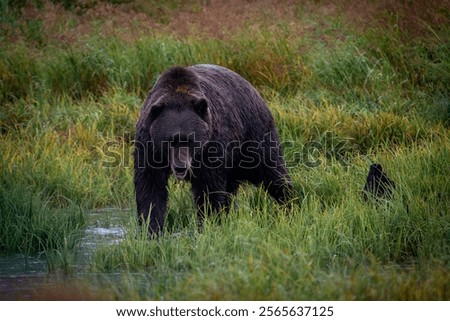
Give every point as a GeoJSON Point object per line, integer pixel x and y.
{"type": "Point", "coordinates": [30, 225]}
{"type": "Point", "coordinates": [98, 66]}
{"type": "Point", "coordinates": [332, 247]}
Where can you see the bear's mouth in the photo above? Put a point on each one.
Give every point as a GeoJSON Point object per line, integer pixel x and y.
{"type": "Point", "coordinates": [180, 172]}
{"type": "Point", "coordinates": [180, 160]}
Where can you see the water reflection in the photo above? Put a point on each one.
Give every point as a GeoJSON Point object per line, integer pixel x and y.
{"type": "Point", "coordinates": [21, 264]}
{"type": "Point", "coordinates": [22, 276]}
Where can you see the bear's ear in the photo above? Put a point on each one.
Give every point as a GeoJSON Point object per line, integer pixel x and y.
{"type": "Point", "coordinates": [201, 107]}
{"type": "Point", "coordinates": [156, 110]}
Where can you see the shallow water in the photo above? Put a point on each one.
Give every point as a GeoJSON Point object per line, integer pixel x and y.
{"type": "Point", "coordinates": [22, 275]}
{"type": "Point", "coordinates": [105, 227]}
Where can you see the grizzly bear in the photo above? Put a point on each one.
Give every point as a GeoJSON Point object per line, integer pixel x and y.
{"type": "Point", "coordinates": [207, 125]}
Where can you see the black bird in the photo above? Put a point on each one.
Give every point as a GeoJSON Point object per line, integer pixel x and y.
{"type": "Point", "coordinates": [378, 185]}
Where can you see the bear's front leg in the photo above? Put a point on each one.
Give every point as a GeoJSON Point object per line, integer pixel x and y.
{"type": "Point", "coordinates": [210, 193]}
{"type": "Point", "coordinates": [151, 198]}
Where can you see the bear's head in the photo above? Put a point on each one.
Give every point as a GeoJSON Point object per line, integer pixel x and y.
{"type": "Point", "coordinates": [179, 127]}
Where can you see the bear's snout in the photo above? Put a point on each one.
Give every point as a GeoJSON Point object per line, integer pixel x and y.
{"type": "Point", "coordinates": [180, 161]}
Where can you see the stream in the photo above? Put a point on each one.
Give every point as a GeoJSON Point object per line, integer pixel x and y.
{"type": "Point", "coordinates": [21, 275]}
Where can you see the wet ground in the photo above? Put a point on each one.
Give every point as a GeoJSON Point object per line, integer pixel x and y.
{"type": "Point", "coordinates": [22, 276]}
